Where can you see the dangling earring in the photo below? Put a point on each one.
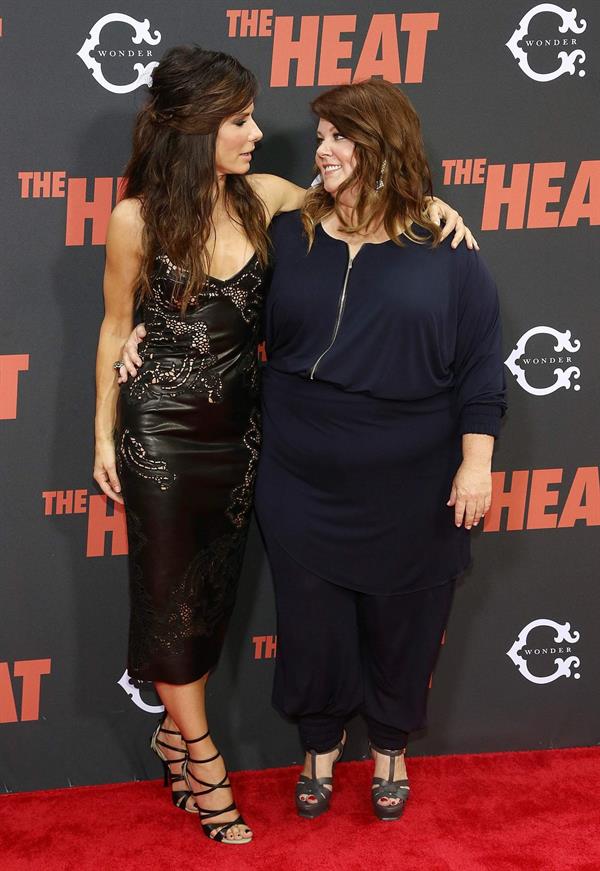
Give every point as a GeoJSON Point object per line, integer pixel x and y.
{"type": "Point", "coordinates": [317, 180]}
{"type": "Point", "coordinates": [380, 182]}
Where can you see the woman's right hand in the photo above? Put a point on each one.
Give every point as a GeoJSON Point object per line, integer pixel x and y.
{"type": "Point", "coordinates": [129, 355]}
{"type": "Point", "coordinates": [105, 470]}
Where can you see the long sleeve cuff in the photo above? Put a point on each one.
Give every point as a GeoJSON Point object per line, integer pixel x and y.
{"type": "Point", "coordinates": [482, 419]}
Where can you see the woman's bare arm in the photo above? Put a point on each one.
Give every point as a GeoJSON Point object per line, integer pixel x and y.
{"type": "Point", "coordinates": [123, 254]}
{"type": "Point", "coordinates": [278, 194]}
{"type": "Point", "coordinates": [281, 195]}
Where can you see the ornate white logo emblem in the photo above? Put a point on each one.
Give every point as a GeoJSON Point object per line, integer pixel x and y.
{"type": "Point", "coordinates": [563, 376]}
{"type": "Point", "coordinates": [563, 665]}
{"type": "Point", "coordinates": [141, 34]}
{"type": "Point", "coordinates": [136, 697]}
{"type": "Point", "coordinates": [567, 58]}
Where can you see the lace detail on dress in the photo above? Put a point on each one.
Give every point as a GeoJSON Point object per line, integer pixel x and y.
{"type": "Point", "coordinates": [239, 507]}
{"type": "Point", "coordinates": [198, 605]}
{"type": "Point", "coordinates": [135, 456]}
{"type": "Point", "coordinates": [175, 378]}
{"type": "Point", "coordinates": [177, 355]}
{"type": "Point", "coordinates": [241, 290]}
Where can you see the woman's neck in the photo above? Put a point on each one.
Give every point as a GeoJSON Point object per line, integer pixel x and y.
{"type": "Point", "coordinates": [375, 233]}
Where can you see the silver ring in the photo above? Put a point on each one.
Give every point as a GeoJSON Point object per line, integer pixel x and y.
{"type": "Point", "coordinates": [116, 366]}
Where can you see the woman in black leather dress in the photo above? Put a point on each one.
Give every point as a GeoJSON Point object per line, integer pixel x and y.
{"type": "Point", "coordinates": [191, 232]}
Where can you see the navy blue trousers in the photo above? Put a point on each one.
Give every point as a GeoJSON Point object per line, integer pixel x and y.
{"type": "Point", "coordinates": [340, 651]}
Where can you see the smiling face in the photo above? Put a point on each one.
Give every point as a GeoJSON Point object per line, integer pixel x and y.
{"type": "Point", "coordinates": [335, 157]}
{"type": "Point", "coordinates": [235, 143]}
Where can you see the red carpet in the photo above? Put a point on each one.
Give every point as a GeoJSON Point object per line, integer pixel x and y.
{"type": "Point", "coordinates": [537, 811]}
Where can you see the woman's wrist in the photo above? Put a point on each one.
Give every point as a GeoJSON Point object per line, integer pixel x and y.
{"type": "Point", "coordinates": [104, 437]}
{"type": "Point", "coordinates": [477, 464]}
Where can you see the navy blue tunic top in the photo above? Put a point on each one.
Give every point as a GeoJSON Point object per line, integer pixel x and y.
{"type": "Point", "coordinates": [417, 322]}
{"type": "Point", "coordinates": [376, 366]}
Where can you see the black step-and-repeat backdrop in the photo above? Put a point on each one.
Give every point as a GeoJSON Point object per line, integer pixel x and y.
{"type": "Point", "coordinates": [508, 94]}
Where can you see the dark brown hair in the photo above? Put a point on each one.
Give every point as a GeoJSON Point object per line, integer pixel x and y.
{"type": "Point", "coordinates": [384, 126]}
{"type": "Point", "coordinates": [172, 168]}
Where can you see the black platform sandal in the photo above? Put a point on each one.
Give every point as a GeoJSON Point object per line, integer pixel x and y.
{"type": "Point", "coordinates": [316, 787]}
{"type": "Point", "coordinates": [180, 797]}
{"type": "Point", "coordinates": [390, 789]}
{"type": "Point", "coordinates": [214, 831]}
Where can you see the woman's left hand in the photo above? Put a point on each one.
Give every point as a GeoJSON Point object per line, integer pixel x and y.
{"type": "Point", "coordinates": [439, 211]}
{"type": "Point", "coordinates": [471, 494]}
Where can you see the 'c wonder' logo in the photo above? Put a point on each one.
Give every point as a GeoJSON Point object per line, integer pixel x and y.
{"type": "Point", "coordinates": [141, 34]}
{"type": "Point", "coordinates": [563, 665]}
{"type": "Point", "coordinates": [567, 59]}
{"type": "Point", "coordinates": [517, 361]}
{"type": "Point", "coordinates": [133, 691]}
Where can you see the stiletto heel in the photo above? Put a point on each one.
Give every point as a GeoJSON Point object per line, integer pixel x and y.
{"type": "Point", "coordinates": [179, 796]}
{"type": "Point", "coordinates": [215, 831]}
{"type": "Point", "coordinates": [316, 787]}
{"type": "Point", "coordinates": [390, 789]}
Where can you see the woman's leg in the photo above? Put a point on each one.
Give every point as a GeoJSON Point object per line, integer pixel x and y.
{"type": "Point", "coordinates": [401, 638]}
{"type": "Point", "coordinates": [186, 708]}
{"type": "Point", "coordinates": [318, 679]}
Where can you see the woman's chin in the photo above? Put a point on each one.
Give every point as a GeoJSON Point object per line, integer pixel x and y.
{"type": "Point", "coordinates": [238, 169]}
{"type": "Point", "coordinates": [331, 186]}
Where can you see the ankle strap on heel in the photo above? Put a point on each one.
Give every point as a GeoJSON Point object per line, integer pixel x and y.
{"type": "Point", "coordinates": [196, 740]}
{"type": "Point", "coordinates": [383, 752]}
{"type": "Point", "coordinates": [392, 756]}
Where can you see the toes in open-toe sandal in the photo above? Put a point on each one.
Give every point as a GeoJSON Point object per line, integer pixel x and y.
{"type": "Point", "coordinates": [214, 830]}
{"type": "Point", "coordinates": [179, 796]}
{"type": "Point", "coordinates": [315, 788]}
{"type": "Point", "coordinates": [389, 789]}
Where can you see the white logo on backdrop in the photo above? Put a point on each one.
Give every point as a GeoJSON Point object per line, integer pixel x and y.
{"type": "Point", "coordinates": [141, 34]}
{"type": "Point", "coordinates": [134, 693]}
{"type": "Point", "coordinates": [563, 665]}
{"type": "Point", "coordinates": [567, 58]}
{"type": "Point", "coordinates": [563, 375]}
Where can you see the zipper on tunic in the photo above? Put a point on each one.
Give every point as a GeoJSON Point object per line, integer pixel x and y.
{"type": "Point", "coordinates": [341, 306]}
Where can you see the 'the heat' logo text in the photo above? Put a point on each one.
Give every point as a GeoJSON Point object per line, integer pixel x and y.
{"type": "Point", "coordinates": [325, 50]}
{"type": "Point", "coordinates": [543, 499]}
{"type": "Point", "coordinates": [530, 195]}
{"type": "Point", "coordinates": [104, 518]}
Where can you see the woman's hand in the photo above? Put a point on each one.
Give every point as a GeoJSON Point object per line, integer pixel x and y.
{"type": "Point", "coordinates": [440, 212]}
{"type": "Point", "coordinates": [471, 493]}
{"type": "Point", "coordinates": [129, 355]}
{"type": "Point", "coordinates": [105, 470]}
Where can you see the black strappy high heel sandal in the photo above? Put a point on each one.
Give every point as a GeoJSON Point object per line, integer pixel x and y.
{"type": "Point", "coordinates": [220, 829]}
{"type": "Point", "coordinates": [316, 787]}
{"type": "Point", "coordinates": [390, 789]}
{"type": "Point", "coordinates": [179, 796]}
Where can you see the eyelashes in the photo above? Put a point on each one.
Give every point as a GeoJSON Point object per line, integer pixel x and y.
{"type": "Point", "coordinates": [336, 136]}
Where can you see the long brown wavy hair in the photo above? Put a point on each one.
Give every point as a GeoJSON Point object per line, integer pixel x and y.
{"type": "Point", "coordinates": [386, 131]}
{"type": "Point", "coordinates": [172, 168]}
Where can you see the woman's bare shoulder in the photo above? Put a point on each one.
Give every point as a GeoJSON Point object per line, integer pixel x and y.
{"type": "Point", "coordinates": [128, 214]}
{"type": "Point", "coordinates": [126, 224]}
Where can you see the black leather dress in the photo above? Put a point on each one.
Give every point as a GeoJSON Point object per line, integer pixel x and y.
{"type": "Point", "coordinates": [187, 446]}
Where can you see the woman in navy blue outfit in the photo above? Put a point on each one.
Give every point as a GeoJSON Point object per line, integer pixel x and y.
{"type": "Point", "coordinates": [381, 399]}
